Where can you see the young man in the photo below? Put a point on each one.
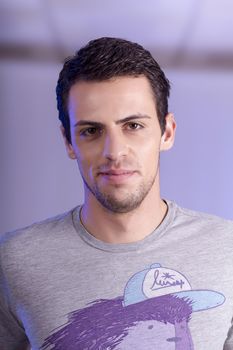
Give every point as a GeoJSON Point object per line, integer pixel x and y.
{"type": "Point", "coordinates": [127, 269]}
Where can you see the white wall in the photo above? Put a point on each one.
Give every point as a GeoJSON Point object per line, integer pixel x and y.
{"type": "Point", "coordinates": [38, 180]}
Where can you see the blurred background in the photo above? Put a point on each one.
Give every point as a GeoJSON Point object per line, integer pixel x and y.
{"type": "Point", "coordinates": [191, 40]}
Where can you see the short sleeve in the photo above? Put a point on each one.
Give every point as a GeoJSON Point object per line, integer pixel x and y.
{"type": "Point", "coordinates": [12, 335]}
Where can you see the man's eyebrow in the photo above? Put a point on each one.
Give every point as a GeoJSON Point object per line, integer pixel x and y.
{"type": "Point", "coordinates": [133, 117]}
{"type": "Point", "coordinates": [88, 122]}
{"type": "Point", "coordinates": [120, 121]}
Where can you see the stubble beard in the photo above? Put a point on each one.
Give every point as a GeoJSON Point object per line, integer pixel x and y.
{"type": "Point", "coordinates": [131, 201]}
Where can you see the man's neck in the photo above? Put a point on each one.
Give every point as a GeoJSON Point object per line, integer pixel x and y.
{"type": "Point", "coordinates": [123, 227]}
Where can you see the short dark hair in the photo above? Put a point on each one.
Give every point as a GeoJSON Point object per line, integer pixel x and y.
{"type": "Point", "coordinates": [105, 58]}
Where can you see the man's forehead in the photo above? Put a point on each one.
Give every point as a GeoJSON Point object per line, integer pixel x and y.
{"type": "Point", "coordinates": [116, 99]}
{"type": "Point", "coordinates": [116, 85]}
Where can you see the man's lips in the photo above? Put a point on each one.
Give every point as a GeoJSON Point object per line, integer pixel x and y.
{"type": "Point", "coordinates": [117, 175]}
{"type": "Point", "coordinates": [116, 172]}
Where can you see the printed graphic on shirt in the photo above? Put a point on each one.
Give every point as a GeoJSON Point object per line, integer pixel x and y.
{"type": "Point", "coordinates": [153, 313]}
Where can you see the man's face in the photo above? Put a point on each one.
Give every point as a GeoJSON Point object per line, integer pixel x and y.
{"type": "Point", "coordinates": [116, 139]}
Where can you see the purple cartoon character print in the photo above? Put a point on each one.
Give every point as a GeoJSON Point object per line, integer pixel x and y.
{"type": "Point", "coordinates": [153, 314]}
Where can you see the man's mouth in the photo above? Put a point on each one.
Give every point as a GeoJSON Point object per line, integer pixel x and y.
{"type": "Point", "coordinates": [116, 172]}
{"type": "Point", "coordinates": [118, 175]}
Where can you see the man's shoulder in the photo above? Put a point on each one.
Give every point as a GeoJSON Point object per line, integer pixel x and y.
{"type": "Point", "coordinates": [202, 219]}
{"type": "Point", "coordinates": [38, 230]}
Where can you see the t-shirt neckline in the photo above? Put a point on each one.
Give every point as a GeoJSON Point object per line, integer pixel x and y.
{"type": "Point", "coordinates": [124, 247]}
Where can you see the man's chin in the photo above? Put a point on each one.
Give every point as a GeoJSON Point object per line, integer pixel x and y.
{"type": "Point", "coordinates": [118, 205]}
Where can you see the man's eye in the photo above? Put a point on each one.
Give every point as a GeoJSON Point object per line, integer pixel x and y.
{"type": "Point", "coordinates": [89, 131]}
{"type": "Point", "coordinates": [134, 126]}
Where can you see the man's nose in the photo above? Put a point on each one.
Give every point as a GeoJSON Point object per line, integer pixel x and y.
{"type": "Point", "coordinates": [115, 146]}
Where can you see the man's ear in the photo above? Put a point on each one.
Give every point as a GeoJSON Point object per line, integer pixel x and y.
{"type": "Point", "coordinates": [68, 145]}
{"type": "Point", "coordinates": [168, 137]}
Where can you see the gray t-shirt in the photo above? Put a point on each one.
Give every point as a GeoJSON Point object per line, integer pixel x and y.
{"type": "Point", "coordinates": [61, 288]}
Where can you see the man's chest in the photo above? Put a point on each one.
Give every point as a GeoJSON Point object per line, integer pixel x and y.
{"type": "Point", "coordinates": [146, 302]}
